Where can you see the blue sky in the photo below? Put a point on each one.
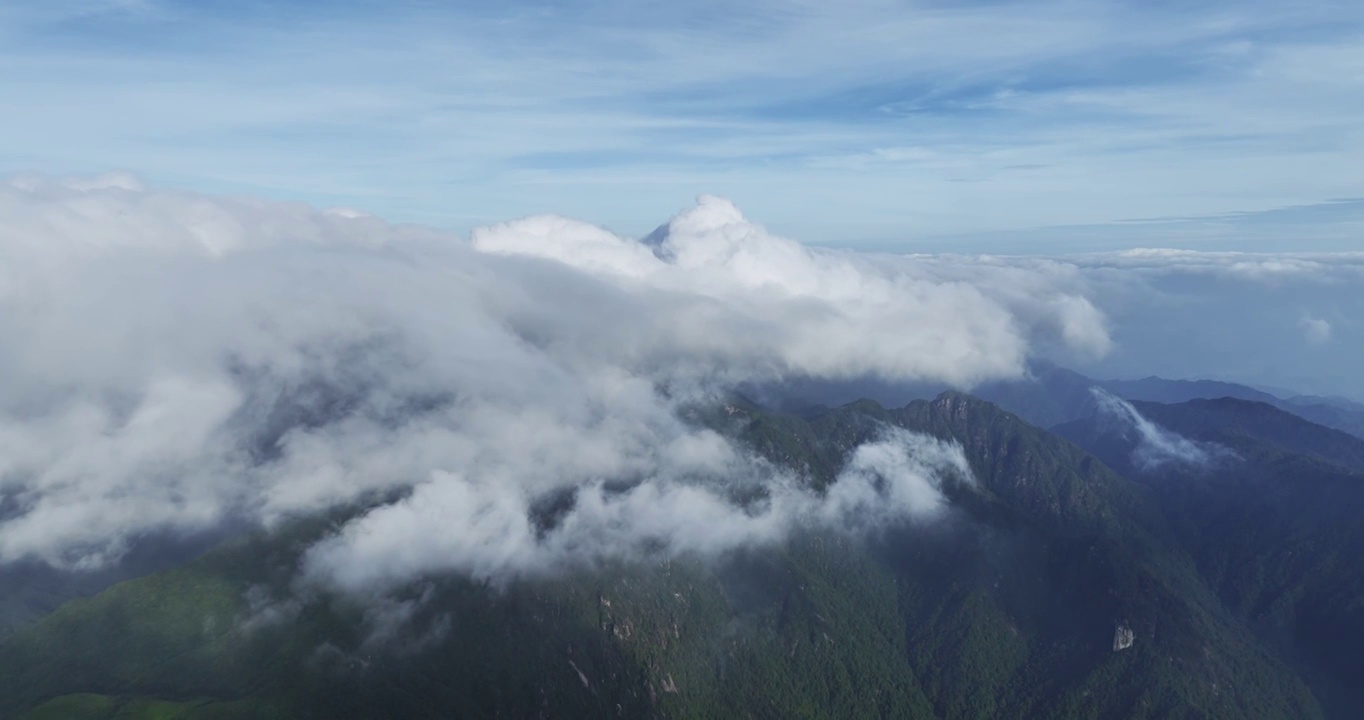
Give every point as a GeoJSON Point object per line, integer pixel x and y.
{"type": "Point", "coordinates": [985, 126]}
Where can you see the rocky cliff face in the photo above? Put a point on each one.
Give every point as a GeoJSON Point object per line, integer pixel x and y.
{"type": "Point", "coordinates": [1122, 637]}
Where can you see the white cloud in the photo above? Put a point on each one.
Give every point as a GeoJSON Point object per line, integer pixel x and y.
{"type": "Point", "coordinates": [175, 361]}
{"type": "Point", "coordinates": [1224, 315]}
{"type": "Point", "coordinates": [1316, 330]}
{"type": "Point", "coordinates": [1157, 446]}
{"type": "Point", "coordinates": [481, 527]}
{"type": "Point", "coordinates": [796, 310]}
{"type": "Point", "coordinates": [1259, 268]}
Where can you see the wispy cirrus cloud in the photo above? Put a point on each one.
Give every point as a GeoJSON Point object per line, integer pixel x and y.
{"type": "Point", "coordinates": [839, 123]}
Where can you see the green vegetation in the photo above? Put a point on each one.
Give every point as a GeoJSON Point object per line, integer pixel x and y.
{"type": "Point", "coordinates": [1005, 607]}
{"type": "Point", "coordinates": [1275, 533]}
{"type": "Point", "coordinates": [1258, 426]}
{"type": "Point", "coordinates": [103, 707]}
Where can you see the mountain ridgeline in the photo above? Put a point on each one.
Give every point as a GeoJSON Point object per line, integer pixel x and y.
{"type": "Point", "coordinates": [1053, 396]}
{"type": "Point", "coordinates": [1272, 518]}
{"type": "Point", "coordinates": [1062, 581]}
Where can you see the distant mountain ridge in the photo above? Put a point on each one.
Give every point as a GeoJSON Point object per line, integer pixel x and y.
{"type": "Point", "coordinates": [1227, 418]}
{"type": "Point", "coordinates": [1052, 396]}
{"type": "Point", "coordinates": [1273, 523]}
{"type": "Point", "coordinates": [1162, 390]}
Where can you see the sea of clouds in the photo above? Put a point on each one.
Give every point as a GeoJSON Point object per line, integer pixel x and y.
{"type": "Point", "coordinates": [173, 362]}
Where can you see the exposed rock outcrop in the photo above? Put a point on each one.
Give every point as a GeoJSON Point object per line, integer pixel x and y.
{"type": "Point", "coordinates": [1122, 637]}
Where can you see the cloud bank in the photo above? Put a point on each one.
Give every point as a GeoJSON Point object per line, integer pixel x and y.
{"type": "Point", "coordinates": [511, 403]}
{"type": "Point", "coordinates": [482, 529]}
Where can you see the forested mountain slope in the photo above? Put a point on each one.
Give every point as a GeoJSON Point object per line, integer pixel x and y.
{"type": "Point", "coordinates": [1271, 513]}
{"type": "Point", "coordinates": [1005, 604]}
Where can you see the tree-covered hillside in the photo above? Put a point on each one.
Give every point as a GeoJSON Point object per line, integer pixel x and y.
{"type": "Point", "coordinates": [1273, 523]}
{"type": "Point", "coordinates": [1007, 604]}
